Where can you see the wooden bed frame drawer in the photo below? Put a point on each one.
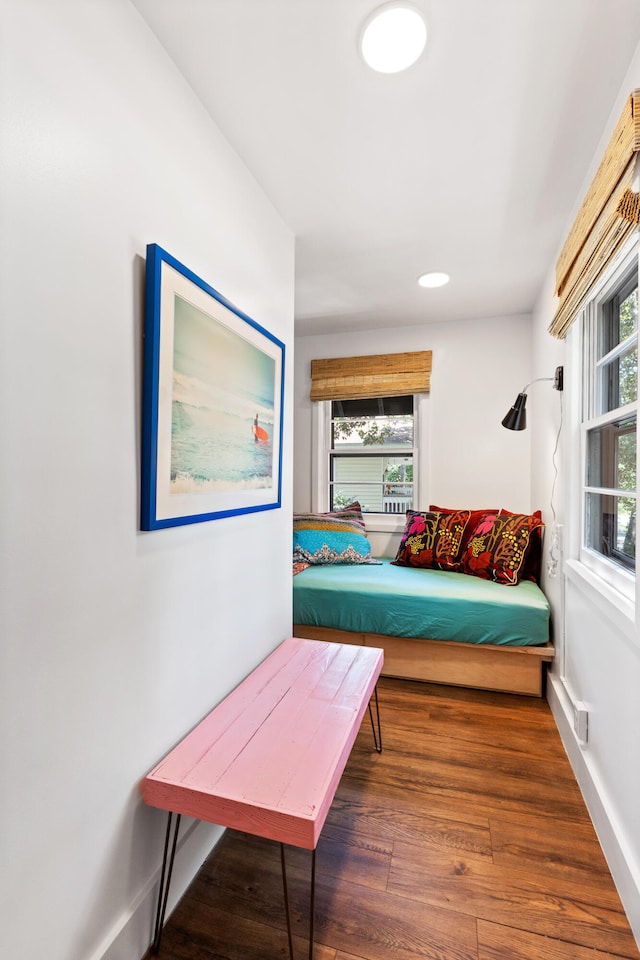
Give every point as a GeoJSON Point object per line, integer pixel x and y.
{"type": "Point", "coordinates": [484, 666]}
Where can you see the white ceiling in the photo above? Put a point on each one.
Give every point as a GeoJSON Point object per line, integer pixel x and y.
{"type": "Point", "coordinates": [470, 162]}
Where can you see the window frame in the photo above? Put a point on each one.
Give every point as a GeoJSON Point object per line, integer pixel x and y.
{"type": "Point", "coordinates": [619, 279]}
{"type": "Point", "coordinates": [321, 451]}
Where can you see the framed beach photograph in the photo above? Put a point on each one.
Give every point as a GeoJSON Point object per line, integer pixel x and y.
{"type": "Point", "coordinates": [212, 403]}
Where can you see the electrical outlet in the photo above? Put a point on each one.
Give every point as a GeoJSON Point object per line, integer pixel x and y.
{"type": "Point", "coordinates": [556, 537]}
{"type": "Point", "coordinates": [581, 721]}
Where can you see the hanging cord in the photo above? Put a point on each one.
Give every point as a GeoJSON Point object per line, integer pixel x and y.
{"type": "Point", "coordinates": [554, 557]}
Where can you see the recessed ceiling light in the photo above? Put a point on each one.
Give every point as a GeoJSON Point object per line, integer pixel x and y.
{"type": "Point", "coordinates": [433, 279]}
{"type": "Point", "coordinates": [393, 37]}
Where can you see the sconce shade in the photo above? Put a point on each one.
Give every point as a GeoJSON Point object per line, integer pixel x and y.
{"type": "Point", "coordinates": [516, 419]}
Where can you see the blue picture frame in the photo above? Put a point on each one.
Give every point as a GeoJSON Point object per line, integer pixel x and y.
{"type": "Point", "coordinates": [212, 405]}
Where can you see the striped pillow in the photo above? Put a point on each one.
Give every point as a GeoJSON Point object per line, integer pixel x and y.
{"type": "Point", "coordinates": [331, 538]}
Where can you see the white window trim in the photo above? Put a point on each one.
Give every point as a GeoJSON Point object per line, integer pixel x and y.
{"type": "Point", "coordinates": [320, 446]}
{"type": "Point", "coordinates": [617, 608]}
{"type": "Point", "coordinates": [618, 588]}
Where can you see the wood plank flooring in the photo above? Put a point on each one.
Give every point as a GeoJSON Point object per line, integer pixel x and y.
{"type": "Point", "coordinates": [466, 839]}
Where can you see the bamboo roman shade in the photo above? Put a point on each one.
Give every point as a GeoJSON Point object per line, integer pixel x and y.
{"type": "Point", "coordinates": [608, 215]}
{"type": "Point", "coordinates": [357, 378]}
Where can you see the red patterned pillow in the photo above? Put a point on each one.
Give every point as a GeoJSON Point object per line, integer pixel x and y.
{"type": "Point", "coordinates": [498, 547]}
{"type": "Point", "coordinates": [475, 517]}
{"type": "Point", "coordinates": [533, 557]}
{"type": "Point", "coordinates": [432, 540]}
{"type": "Point", "coordinates": [531, 569]}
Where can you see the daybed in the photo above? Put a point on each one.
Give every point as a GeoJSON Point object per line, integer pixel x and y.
{"type": "Point", "coordinates": [441, 625]}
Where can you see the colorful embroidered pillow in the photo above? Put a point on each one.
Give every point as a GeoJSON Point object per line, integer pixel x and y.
{"type": "Point", "coordinates": [335, 537]}
{"type": "Point", "coordinates": [498, 547]}
{"type": "Point", "coordinates": [531, 569]}
{"type": "Point", "coordinates": [475, 517]}
{"type": "Point", "coordinates": [432, 539]}
{"type": "Point", "coordinates": [533, 557]}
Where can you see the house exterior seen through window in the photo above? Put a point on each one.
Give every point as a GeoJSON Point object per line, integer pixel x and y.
{"type": "Point", "coordinates": [610, 422]}
{"type": "Point", "coordinates": [371, 455]}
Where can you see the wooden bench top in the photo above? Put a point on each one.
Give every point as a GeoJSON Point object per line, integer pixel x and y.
{"type": "Point", "coordinates": [268, 758]}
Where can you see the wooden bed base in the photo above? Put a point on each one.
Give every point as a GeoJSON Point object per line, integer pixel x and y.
{"type": "Point", "coordinates": [485, 666]}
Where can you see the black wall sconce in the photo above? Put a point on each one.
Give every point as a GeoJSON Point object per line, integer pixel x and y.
{"type": "Point", "coordinates": [516, 418]}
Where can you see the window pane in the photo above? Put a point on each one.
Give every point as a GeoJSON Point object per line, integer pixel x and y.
{"type": "Point", "coordinates": [383, 421]}
{"type": "Point", "coordinates": [610, 525]}
{"type": "Point", "coordinates": [629, 315]}
{"type": "Point", "coordinates": [381, 484]}
{"type": "Point", "coordinates": [610, 382]}
{"type": "Point", "coordinates": [619, 380]}
{"type": "Point", "coordinates": [611, 455]}
{"type": "Point", "coordinates": [619, 317]}
{"type": "Point", "coordinates": [373, 407]}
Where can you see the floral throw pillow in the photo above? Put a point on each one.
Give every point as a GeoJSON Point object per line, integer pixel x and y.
{"type": "Point", "coordinates": [475, 516]}
{"type": "Point", "coordinates": [499, 545]}
{"type": "Point", "coordinates": [533, 559]}
{"type": "Point", "coordinates": [432, 539]}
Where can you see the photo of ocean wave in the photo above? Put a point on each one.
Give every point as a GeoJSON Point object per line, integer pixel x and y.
{"type": "Point", "coordinates": [212, 444]}
{"type": "Point", "coordinates": [223, 390]}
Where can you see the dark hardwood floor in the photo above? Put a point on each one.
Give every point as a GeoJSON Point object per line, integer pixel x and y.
{"type": "Point", "coordinates": [466, 839]}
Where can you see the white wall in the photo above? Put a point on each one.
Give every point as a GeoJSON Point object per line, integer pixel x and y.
{"type": "Point", "coordinates": [598, 645]}
{"type": "Point", "coordinates": [114, 643]}
{"type": "Point", "coordinates": [478, 369]}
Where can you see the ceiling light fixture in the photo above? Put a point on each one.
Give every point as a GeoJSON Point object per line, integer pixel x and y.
{"type": "Point", "coordinates": [393, 37]}
{"type": "Point", "coordinates": [433, 279]}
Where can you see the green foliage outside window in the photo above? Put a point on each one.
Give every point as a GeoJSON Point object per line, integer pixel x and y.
{"type": "Point", "coordinates": [627, 479]}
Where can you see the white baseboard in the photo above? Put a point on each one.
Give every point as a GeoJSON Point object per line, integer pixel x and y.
{"type": "Point", "coordinates": [130, 937]}
{"type": "Point", "coordinates": [624, 875]}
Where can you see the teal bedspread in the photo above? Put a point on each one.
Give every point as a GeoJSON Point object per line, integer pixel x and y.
{"type": "Point", "coordinates": [429, 604]}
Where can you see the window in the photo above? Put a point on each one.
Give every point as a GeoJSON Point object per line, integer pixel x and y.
{"type": "Point", "coordinates": [610, 401]}
{"type": "Point", "coordinates": [371, 454]}
{"type": "Point", "coordinates": [369, 438]}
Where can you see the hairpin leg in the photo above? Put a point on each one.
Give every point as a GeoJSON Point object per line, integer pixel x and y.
{"type": "Point", "coordinates": [312, 902]}
{"type": "Point", "coordinates": [377, 735]}
{"type": "Point", "coordinates": [165, 880]}
{"type": "Point", "coordinates": [312, 899]}
{"type": "Point", "coordinates": [286, 899]}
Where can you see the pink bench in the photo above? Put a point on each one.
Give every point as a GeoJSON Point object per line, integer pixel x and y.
{"type": "Point", "coordinates": [267, 760]}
